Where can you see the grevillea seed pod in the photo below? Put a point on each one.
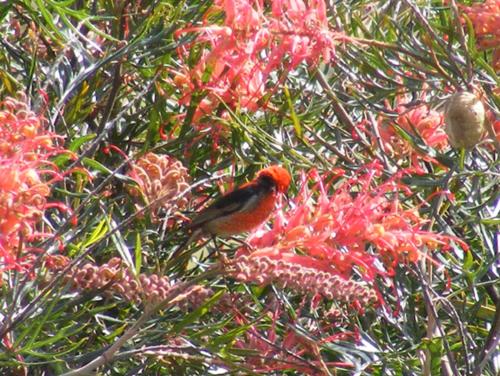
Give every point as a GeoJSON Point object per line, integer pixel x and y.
{"type": "Point", "coordinates": [464, 116]}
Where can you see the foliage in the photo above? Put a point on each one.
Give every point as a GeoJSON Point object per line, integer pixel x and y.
{"type": "Point", "coordinates": [121, 119]}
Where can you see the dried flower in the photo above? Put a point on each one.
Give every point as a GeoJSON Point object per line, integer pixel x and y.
{"type": "Point", "coordinates": [161, 180]}
{"type": "Point", "coordinates": [464, 116]}
{"type": "Point", "coordinates": [27, 175]}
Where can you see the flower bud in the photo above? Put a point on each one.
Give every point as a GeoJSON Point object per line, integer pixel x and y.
{"type": "Point", "coordinates": [464, 116]}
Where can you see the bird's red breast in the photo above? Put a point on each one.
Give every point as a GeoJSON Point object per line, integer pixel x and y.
{"type": "Point", "coordinates": [244, 220]}
{"type": "Point", "coordinates": [246, 207]}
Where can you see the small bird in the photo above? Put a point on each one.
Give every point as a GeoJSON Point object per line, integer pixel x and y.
{"type": "Point", "coordinates": [240, 210]}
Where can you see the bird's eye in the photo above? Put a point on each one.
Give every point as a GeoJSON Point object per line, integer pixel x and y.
{"type": "Point", "coordinates": [268, 182]}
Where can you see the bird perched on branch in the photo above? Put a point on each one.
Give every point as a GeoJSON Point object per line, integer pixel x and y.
{"type": "Point", "coordinates": [240, 210]}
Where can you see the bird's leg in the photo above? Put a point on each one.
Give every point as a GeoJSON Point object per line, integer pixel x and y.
{"type": "Point", "coordinates": [179, 259]}
{"type": "Point", "coordinates": [221, 256]}
{"type": "Point", "coordinates": [224, 262]}
{"type": "Point", "coordinates": [211, 253]}
{"type": "Point", "coordinates": [243, 242]}
{"type": "Point", "coordinates": [223, 259]}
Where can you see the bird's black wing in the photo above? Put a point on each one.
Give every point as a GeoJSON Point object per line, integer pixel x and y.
{"type": "Point", "coordinates": [230, 203]}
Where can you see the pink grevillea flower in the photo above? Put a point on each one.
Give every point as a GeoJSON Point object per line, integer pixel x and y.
{"type": "Point", "coordinates": [496, 129]}
{"type": "Point", "coordinates": [162, 182]}
{"type": "Point", "coordinates": [26, 175]}
{"type": "Point", "coordinates": [361, 230]}
{"type": "Point", "coordinates": [420, 121]}
{"type": "Point", "coordinates": [274, 349]}
{"type": "Point", "coordinates": [255, 40]}
{"type": "Point", "coordinates": [303, 279]}
{"type": "Point", "coordinates": [485, 18]}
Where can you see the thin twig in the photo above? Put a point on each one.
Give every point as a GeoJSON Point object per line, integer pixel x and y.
{"type": "Point", "coordinates": [461, 38]}
{"type": "Point", "coordinates": [340, 111]}
{"type": "Point", "coordinates": [433, 315]}
{"type": "Point", "coordinates": [117, 78]}
{"type": "Point", "coordinates": [491, 345]}
{"type": "Point", "coordinates": [427, 267]}
{"type": "Point", "coordinates": [423, 21]}
{"type": "Point", "coordinates": [395, 47]}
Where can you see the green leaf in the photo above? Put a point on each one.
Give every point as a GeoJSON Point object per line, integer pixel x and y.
{"type": "Point", "coordinates": [230, 336]}
{"type": "Point", "coordinates": [468, 261]}
{"type": "Point", "coordinates": [121, 245]}
{"type": "Point", "coordinates": [4, 9]}
{"type": "Point", "coordinates": [79, 141]}
{"type": "Point", "coordinates": [138, 253]}
{"type": "Point", "coordinates": [92, 163]}
{"type": "Point", "coordinates": [96, 235]}
{"type": "Point", "coordinates": [436, 350]}
{"type": "Point", "coordinates": [295, 119]}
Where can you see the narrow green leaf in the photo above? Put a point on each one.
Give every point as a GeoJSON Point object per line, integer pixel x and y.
{"type": "Point", "coordinates": [468, 261]}
{"type": "Point", "coordinates": [79, 141]}
{"type": "Point", "coordinates": [99, 232]}
{"type": "Point", "coordinates": [138, 253]}
{"type": "Point", "coordinates": [4, 10]}
{"type": "Point", "coordinates": [293, 115]}
{"type": "Point", "coordinates": [96, 166]}
{"type": "Point", "coordinates": [121, 245]}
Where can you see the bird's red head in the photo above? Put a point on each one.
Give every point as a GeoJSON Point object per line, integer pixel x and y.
{"type": "Point", "coordinates": [279, 175]}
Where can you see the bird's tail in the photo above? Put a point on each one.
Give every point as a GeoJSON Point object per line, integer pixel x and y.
{"type": "Point", "coordinates": [179, 257]}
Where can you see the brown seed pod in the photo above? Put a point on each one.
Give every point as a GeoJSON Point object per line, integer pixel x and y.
{"type": "Point", "coordinates": [464, 116]}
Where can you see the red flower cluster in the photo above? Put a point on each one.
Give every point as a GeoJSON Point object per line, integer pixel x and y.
{"type": "Point", "coordinates": [485, 18]}
{"type": "Point", "coordinates": [272, 349]}
{"type": "Point", "coordinates": [255, 41]}
{"type": "Point", "coordinates": [362, 228]}
{"type": "Point", "coordinates": [26, 176]}
{"type": "Point", "coordinates": [427, 123]}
